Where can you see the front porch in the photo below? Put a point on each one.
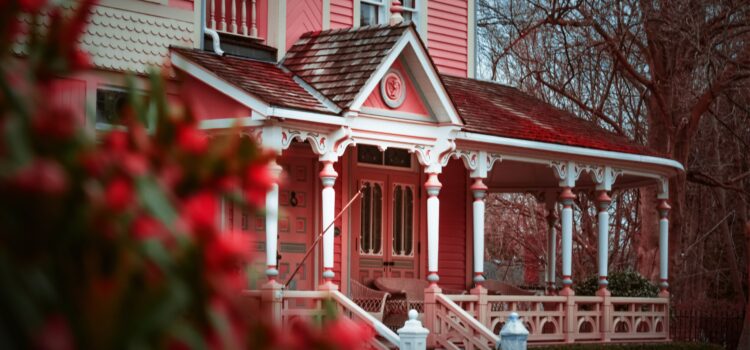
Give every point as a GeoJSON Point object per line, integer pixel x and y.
{"type": "Point", "coordinates": [473, 321]}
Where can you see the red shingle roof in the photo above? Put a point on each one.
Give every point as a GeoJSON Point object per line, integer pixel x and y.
{"type": "Point", "coordinates": [265, 80]}
{"type": "Point", "coordinates": [494, 109]}
{"type": "Point", "coordinates": [338, 62]}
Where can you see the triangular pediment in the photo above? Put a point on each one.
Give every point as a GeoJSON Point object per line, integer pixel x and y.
{"type": "Point", "coordinates": [398, 96]}
{"type": "Point", "coordinates": [407, 85]}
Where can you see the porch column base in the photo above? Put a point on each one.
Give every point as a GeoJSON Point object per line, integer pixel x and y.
{"type": "Point", "coordinates": [430, 312]}
{"type": "Point", "coordinates": [271, 306]}
{"type": "Point", "coordinates": [605, 323]}
{"type": "Point", "coordinates": [664, 289]}
{"type": "Point", "coordinates": [482, 310]}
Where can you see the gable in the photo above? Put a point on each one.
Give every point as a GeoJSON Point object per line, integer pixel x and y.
{"type": "Point", "coordinates": [402, 98]}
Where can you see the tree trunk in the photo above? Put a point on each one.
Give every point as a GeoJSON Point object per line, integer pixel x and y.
{"type": "Point", "coordinates": [745, 336]}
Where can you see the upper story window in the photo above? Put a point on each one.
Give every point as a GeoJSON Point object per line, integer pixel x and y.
{"type": "Point", "coordinates": [373, 12]}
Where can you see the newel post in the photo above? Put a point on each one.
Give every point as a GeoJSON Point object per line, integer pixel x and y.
{"type": "Point", "coordinates": [271, 296]}
{"type": "Point", "coordinates": [514, 335]}
{"type": "Point", "coordinates": [413, 335]}
{"type": "Point", "coordinates": [430, 313]}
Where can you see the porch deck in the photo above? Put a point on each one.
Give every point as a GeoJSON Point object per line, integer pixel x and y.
{"type": "Point", "coordinates": [472, 321]}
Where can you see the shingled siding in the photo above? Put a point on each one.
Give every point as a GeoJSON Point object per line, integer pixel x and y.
{"type": "Point", "coordinates": [452, 250]}
{"type": "Point", "coordinates": [447, 35]}
{"type": "Point", "coordinates": [342, 14]}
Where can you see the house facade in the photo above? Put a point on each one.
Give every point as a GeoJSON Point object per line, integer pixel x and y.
{"type": "Point", "coordinates": [387, 146]}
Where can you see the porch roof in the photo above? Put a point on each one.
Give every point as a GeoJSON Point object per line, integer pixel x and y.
{"type": "Point", "coordinates": [265, 80]}
{"type": "Point", "coordinates": [500, 110]}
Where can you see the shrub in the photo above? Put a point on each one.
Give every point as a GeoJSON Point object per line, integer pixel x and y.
{"type": "Point", "coordinates": [621, 284]}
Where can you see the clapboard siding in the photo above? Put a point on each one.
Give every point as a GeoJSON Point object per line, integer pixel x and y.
{"type": "Point", "coordinates": [302, 16]}
{"type": "Point", "coordinates": [342, 14]}
{"type": "Point", "coordinates": [447, 33]}
{"type": "Point", "coordinates": [452, 250]}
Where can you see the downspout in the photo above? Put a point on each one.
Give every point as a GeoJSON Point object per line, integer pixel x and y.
{"type": "Point", "coordinates": [206, 30]}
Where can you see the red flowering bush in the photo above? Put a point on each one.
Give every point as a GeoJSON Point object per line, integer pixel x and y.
{"type": "Point", "coordinates": [112, 241]}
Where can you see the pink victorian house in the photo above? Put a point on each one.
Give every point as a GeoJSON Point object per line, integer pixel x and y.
{"type": "Point", "coordinates": [378, 101]}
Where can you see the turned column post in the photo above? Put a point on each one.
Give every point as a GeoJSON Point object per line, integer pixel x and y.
{"type": "Point", "coordinates": [479, 191]}
{"type": "Point", "coordinates": [567, 197]}
{"type": "Point", "coordinates": [432, 187]}
{"type": "Point", "coordinates": [551, 243]}
{"type": "Point", "coordinates": [272, 222]}
{"type": "Point", "coordinates": [603, 201]}
{"type": "Point", "coordinates": [663, 209]}
{"type": "Point", "coordinates": [328, 178]}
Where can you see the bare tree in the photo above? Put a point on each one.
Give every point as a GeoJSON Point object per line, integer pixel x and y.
{"type": "Point", "coordinates": [656, 72]}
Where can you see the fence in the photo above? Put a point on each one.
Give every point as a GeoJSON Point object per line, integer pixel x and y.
{"type": "Point", "coordinates": [713, 321]}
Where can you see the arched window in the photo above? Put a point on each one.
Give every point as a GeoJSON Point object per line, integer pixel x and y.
{"type": "Point", "coordinates": [371, 214]}
{"type": "Point", "coordinates": [403, 220]}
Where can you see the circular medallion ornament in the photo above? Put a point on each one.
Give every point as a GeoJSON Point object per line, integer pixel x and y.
{"type": "Point", "coordinates": [392, 89]}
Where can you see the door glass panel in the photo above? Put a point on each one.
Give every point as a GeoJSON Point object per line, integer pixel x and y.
{"type": "Point", "coordinates": [377, 218]}
{"type": "Point", "coordinates": [365, 234]}
{"type": "Point", "coordinates": [408, 220]}
{"type": "Point", "coordinates": [397, 220]}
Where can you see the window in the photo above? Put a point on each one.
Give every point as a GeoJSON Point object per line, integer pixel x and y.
{"type": "Point", "coordinates": [109, 104]}
{"type": "Point", "coordinates": [391, 157]}
{"type": "Point", "coordinates": [403, 219]}
{"type": "Point", "coordinates": [410, 11]}
{"type": "Point", "coordinates": [372, 12]}
{"type": "Point", "coordinates": [371, 230]}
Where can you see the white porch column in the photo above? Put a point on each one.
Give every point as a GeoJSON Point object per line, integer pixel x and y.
{"type": "Point", "coordinates": [551, 247]}
{"type": "Point", "coordinates": [328, 178]}
{"type": "Point", "coordinates": [664, 246]}
{"type": "Point", "coordinates": [567, 197]}
{"type": "Point", "coordinates": [432, 187]}
{"type": "Point", "coordinates": [272, 222]}
{"type": "Point", "coordinates": [479, 190]}
{"type": "Point", "coordinates": [603, 202]}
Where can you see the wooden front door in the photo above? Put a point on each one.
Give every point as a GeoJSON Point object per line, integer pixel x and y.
{"type": "Point", "coordinates": [385, 226]}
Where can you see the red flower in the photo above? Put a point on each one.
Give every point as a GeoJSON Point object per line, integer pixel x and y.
{"type": "Point", "coordinates": [145, 227]}
{"type": "Point", "coordinates": [347, 334]}
{"type": "Point", "coordinates": [94, 163]}
{"type": "Point", "coordinates": [225, 258]}
{"type": "Point", "coordinates": [191, 140]}
{"type": "Point", "coordinates": [57, 123]}
{"type": "Point", "coordinates": [54, 335]}
{"type": "Point", "coordinates": [116, 141]}
{"type": "Point", "coordinates": [134, 164]}
{"type": "Point", "coordinates": [31, 6]}
{"type": "Point", "coordinates": [119, 194]}
{"type": "Point", "coordinates": [42, 176]}
{"type": "Point", "coordinates": [79, 60]}
{"type": "Point", "coordinates": [258, 181]}
{"type": "Point", "coordinates": [200, 211]}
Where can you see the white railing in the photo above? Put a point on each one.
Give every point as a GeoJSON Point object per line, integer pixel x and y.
{"type": "Point", "coordinates": [576, 318]}
{"type": "Point", "coordinates": [309, 305]}
{"type": "Point", "coordinates": [350, 309]}
{"type": "Point", "coordinates": [231, 16]}
{"type": "Point", "coordinates": [455, 328]}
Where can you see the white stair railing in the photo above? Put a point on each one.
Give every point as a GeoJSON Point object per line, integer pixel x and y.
{"type": "Point", "coordinates": [457, 329]}
{"type": "Point", "coordinates": [355, 312]}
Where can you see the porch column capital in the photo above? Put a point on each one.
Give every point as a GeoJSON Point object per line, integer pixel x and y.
{"type": "Point", "coordinates": [479, 163]}
{"type": "Point", "coordinates": [271, 138]}
{"type": "Point", "coordinates": [434, 157]}
{"type": "Point", "coordinates": [604, 176]}
{"type": "Point", "coordinates": [329, 146]}
{"type": "Point", "coordinates": [567, 172]}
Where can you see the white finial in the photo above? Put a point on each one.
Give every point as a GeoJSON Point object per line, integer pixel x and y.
{"type": "Point", "coordinates": [413, 314]}
{"type": "Point", "coordinates": [396, 9]}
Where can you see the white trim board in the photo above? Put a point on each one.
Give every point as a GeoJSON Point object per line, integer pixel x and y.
{"type": "Point", "coordinates": [571, 150]}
